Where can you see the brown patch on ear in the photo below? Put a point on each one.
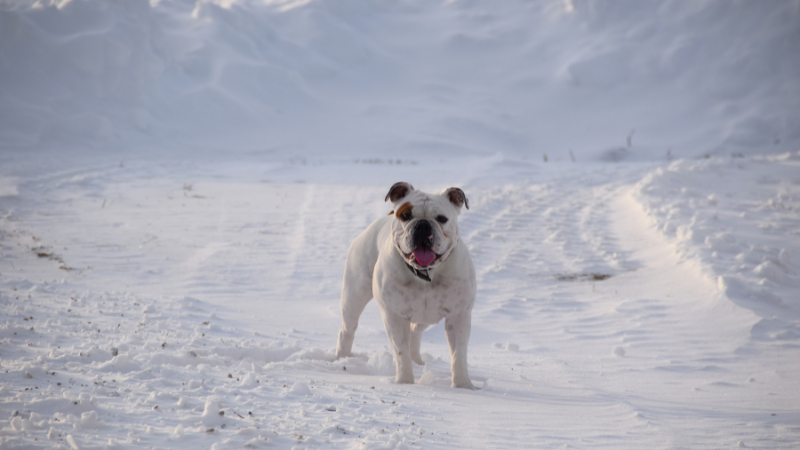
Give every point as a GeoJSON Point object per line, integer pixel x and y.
{"type": "Point", "coordinates": [398, 191]}
{"type": "Point", "coordinates": [457, 197]}
{"type": "Point", "coordinates": [390, 213]}
{"type": "Point", "coordinates": [407, 207]}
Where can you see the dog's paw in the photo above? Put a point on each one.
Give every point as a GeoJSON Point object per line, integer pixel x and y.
{"type": "Point", "coordinates": [465, 385]}
{"type": "Point", "coordinates": [404, 380]}
{"type": "Point", "coordinates": [417, 359]}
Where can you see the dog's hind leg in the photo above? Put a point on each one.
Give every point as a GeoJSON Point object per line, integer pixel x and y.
{"type": "Point", "coordinates": [356, 293]}
{"type": "Point", "coordinates": [416, 341]}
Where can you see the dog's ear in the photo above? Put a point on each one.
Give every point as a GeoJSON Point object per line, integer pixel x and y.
{"type": "Point", "coordinates": [398, 191]}
{"type": "Point", "coordinates": [456, 197]}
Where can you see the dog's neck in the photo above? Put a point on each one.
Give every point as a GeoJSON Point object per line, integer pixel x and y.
{"type": "Point", "coordinates": [421, 274]}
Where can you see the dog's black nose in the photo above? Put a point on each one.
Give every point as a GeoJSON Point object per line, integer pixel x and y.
{"type": "Point", "coordinates": [423, 233]}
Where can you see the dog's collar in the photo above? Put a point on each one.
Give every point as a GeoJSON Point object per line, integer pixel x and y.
{"type": "Point", "coordinates": [422, 274]}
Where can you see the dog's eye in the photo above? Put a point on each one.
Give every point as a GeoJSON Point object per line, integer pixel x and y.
{"type": "Point", "coordinates": [405, 217]}
{"type": "Point", "coordinates": [441, 219]}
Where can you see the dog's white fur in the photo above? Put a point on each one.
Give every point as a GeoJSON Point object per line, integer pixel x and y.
{"type": "Point", "coordinates": [377, 268]}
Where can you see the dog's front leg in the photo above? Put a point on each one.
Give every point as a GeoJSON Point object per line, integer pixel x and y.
{"type": "Point", "coordinates": [399, 331]}
{"type": "Point", "coordinates": [416, 342]}
{"type": "Point", "coordinates": [457, 328]}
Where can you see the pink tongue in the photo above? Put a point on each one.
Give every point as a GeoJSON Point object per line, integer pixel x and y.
{"type": "Point", "coordinates": [424, 256]}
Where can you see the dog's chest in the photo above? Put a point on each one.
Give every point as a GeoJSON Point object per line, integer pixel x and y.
{"type": "Point", "coordinates": [425, 302]}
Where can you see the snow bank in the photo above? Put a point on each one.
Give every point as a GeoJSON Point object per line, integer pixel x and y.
{"type": "Point", "coordinates": [738, 217]}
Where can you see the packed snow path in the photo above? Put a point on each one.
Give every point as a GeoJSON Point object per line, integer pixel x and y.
{"type": "Point", "coordinates": [200, 308]}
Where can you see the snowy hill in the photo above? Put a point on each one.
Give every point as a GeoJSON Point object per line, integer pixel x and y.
{"type": "Point", "coordinates": [180, 182]}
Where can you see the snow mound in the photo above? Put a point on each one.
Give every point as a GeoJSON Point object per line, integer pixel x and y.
{"type": "Point", "coordinates": [381, 363]}
{"type": "Point", "coordinates": [300, 389]}
{"type": "Point", "coordinates": [213, 415]}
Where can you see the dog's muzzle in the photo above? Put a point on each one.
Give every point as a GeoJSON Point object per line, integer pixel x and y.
{"type": "Point", "coordinates": [423, 244]}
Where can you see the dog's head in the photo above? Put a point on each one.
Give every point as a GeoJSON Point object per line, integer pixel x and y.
{"type": "Point", "coordinates": [425, 226]}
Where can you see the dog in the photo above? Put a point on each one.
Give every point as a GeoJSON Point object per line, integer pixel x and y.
{"type": "Point", "coordinates": [414, 265]}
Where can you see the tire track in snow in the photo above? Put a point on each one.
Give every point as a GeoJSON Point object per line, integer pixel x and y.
{"type": "Point", "coordinates": [527, 235]}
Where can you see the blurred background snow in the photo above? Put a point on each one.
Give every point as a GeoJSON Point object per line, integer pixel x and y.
{"type": "Point", "coordinates": [371, 78]}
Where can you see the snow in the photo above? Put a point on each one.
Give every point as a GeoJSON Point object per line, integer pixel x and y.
{"type": "Point", "coordinates": [180, 182]}
{"type": "Point", "coordinates": [743, 231]}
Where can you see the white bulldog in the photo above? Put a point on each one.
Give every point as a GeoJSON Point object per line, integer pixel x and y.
{"type": "Point", "coordinates": [418, 270]}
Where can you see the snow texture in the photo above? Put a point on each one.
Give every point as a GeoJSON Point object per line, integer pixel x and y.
{"type": "Point", "coordinates": [180, 182]}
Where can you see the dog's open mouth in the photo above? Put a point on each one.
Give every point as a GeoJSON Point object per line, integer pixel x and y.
{"type": "Point", "coordinates": [424, 256]}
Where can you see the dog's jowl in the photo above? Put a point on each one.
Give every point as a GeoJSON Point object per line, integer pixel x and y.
{"type": "Point", "coordinates": [414, 265]}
